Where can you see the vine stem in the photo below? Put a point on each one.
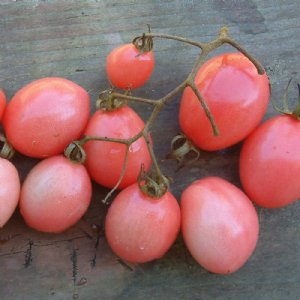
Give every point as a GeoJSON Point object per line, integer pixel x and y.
{"type": "Point", "coordinates": [120, 178]}
{"type": "Point", "coordinates": [205, 48]}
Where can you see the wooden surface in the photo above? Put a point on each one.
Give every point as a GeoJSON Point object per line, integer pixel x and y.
{"type": "Point", "coordinates": [40, 38]}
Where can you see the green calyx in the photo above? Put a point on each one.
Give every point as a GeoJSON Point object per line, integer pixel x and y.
{"type": "Point", "coordinates": [6, 149]}
{"type": "Point", "coordinates": [153, 185]}
{"type": "Point", "coordinates": [295, 112]}
{"type": "Point", "coordinates": [108, 102]}
{"type": "Point", "coordinates": [75, 152]}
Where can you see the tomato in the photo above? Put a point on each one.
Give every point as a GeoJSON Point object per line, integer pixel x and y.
{"type": "Point", "coordinates": [236, 95]}
{"type": "Point", "coordinates": [219, 224]}
{"type": "Point", "coordinates": [105, 159]}
{"type": "Point", "coordinates": [127, 68]}
{"type": "Point", "coordinates": [9, 190]}
{"type": "Point", "coordinates": [2, 103]}
{"type": "Point", "coordinates": [55, 194]}
{"type": "Point", "coordinates": [270, 162]}
{"type": "Point", "coordinates": [139, 228]}
{"type": "Point", "coordinates": [45, 116]}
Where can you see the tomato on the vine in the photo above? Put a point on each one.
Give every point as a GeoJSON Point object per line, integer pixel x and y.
{"type": "Point", "coordinates": [9, 190]}
{"type": "Point", "coordinates": [45, 116]}
{"type": "Point", "coordinates": [236, 95]}
{"type": "Point", "coordinates": [270, 162]}
{"type": "Point", "coordinates": [2, 103]}
{"type": "Point", "coordinates": [104, 159]}
{"type": "Point", "coordinates": [219, 224]}
{"type": "Point", "coordinates": [55, 194]}
{"type": "Point", "coordinates": [140, 228]}
{"type": "Point", "coordinates": [128, 68]}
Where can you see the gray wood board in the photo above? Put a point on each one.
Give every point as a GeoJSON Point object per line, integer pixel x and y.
{"type": "Point", "coordinates": [71, 39]}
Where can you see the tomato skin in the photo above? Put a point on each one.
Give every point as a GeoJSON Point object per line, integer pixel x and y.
{"type": "Point", "coordinates": [55, 194]}
{"type": "Point", "coordinates": [127, 68]}
{"type": "Point", "coordinates": [270, 162]}
{"type": "Point", "coordinates": [139, 228]}
{"type": "Point", "coordinates": [45, 116]}
{"type": "Point", "coordinates": [2, 103]}
{"type": "Point", "coordinates": [219, 224]}
{"type": "Point", "coordinates": [236, 96]}
{"type": "Point", "coordinates": [9, 190]}
{"type": "Point", "coordinates": [105, 159]}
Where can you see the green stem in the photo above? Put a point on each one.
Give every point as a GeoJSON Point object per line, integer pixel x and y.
{"type": "Point", "coordinates": [120, 178]}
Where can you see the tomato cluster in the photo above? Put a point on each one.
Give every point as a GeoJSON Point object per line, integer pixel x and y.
{"type": "Point", "coordinates": [218, 221]}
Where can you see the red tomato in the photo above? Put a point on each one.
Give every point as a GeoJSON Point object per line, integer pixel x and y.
{"type": "Point", "coordinates": [219, 224]}
{"type": "Point", "coordinates": [45, 116]}
{"type": "Point", "coordinates": [55, 194]}
{"type": "Point", "coordinates": [236, 95]}
{"type": "Point", "coordinates": [2, 103]}
{"type": "Point", "coordinates": [9, 190]}
{"type": "Point", "coordinates": [127, 68]}
{"type": "Point", "coordinates": [139, 228]}
{"type": "Point", "coordinates": [270, 162]}
{"type": "Point", "coordinates": [105, 159]}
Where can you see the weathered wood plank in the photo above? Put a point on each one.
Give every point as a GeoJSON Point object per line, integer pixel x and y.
{"type": "Point", "coordinates": [71, 39]}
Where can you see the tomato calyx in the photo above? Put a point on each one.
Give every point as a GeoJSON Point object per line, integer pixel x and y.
{"type": "Point", "coordinates": [152, 184]}
{"type": "Point", "coordinates": [6, 149]}
{"type": "Point", "coordinates": [295, 112]}
{"type": "Point", "coordinates": [143, 43]}
{"type": "Point", "coordinates": [75, 152]}
{"type": "Point", "coordinates": [183, 151]}
{"type": "Point", "coordinates": [108, 102]}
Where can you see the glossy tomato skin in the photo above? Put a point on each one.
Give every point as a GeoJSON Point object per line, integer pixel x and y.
{"type": "Point", "coordinates": [219, 224]}
{"type": "Point", "coordinates": [270, 162]}
{"type": "Point", "coordinates": [55, 194]}
{"type": "Point", "coordinates": [236, 95]}
{"type": "Point", "coordinates": [105, 159]}
{"type": "Point", "coordinates": [9, 190]}
{"type": "Point", "coordinates": [45, 116]}
{"type": "Point", "coordinates": [127, 68]}
{"type": "Point", "coordinates": [139, 228]}
{"type": "Point", "coordinates": [2, 103]}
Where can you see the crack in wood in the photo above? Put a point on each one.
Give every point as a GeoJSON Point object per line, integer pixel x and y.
{"type": "Point", "coordinates": [99, 233]}
{"type": "Point", "coordinates": [28, 254]}
{"type": "Point", "coordinates": [74, 264]}
{"type": "Point", "coordinates": [124, 264]}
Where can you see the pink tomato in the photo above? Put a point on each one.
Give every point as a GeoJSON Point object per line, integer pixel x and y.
{"type": "Point", "coordinates": [9, 190]}
{"type": "Point", "coordinates": [55, 194]}
{"type": "Point", "coordinates": [139, 228]}
{"type": "Point", "coordinates": [45, 116]}
{"type": "Point", "coordinates": [2, 103]}
{"type": "Point", "coordinates": [236, 95]}
{"type": "Point", "coordinates": [105, 159]}
{"type": "Point", "coordinates": [219, 224]}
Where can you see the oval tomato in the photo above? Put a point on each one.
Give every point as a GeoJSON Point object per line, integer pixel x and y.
{"type": "Point", "coordinates": [139, 228]}
{"type": "Point", "coordinates": [9, 190]}
{"type": "Point", "coordinates": [127, 68]}
{"type": "Point", "coordinates": [236, 95]}
{"type": "Point", "coordinates": [219, 224]}
{"type": "Point", "coordinates": [2, 103]}
{"type": "Point", "coordinates": [270, 162]}
{"type": "Point", "coordinates": [105, 160]}
{"type": "Point", "coordinates": [55, 194]}
{"type": "Point", "coordinates": [45, 116]}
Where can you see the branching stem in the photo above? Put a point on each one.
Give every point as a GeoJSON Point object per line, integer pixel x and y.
{"type": "Point", "coordinates": [205, 48]}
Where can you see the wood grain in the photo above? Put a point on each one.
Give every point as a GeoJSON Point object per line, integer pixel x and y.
{"type": "Point", "coordinates": [71, 39]}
